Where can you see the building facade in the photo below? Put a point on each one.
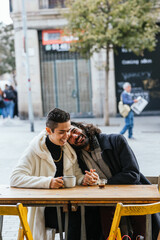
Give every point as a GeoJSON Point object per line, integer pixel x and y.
{"type": "Point", "coordinates": [59, 78]}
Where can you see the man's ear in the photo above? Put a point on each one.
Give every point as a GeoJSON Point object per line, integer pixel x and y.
{"type": "Point", "coordinates": [49, 131]}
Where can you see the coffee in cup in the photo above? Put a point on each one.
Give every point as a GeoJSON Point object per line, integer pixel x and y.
{"type": "Point", "coordinates": [69, 181]}
{"type": "Point", "coordinates": [102, 183]}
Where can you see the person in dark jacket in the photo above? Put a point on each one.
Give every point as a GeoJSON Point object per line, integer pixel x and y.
{"type": "Point", "coordinates": [113, 160]}
{"type": "Point", "coordinates": [9, 97]}
{"type": "Point", "coordinates": [2, 105]}
{"type": "Point", "coordinates": [15, 100]}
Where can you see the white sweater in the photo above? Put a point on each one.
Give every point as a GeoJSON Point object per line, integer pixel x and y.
{"type": "Point", "coordinates": [35, 169]}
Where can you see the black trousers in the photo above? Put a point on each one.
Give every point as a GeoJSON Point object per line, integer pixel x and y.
{"type": "Point", "coordinates": [92, 218]}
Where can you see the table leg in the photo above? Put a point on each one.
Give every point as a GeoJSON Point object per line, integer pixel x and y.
{"type": "Point", "coordinates": [59, 217]}
{"type": "Point", "coordinates": [83, 225]}
{"type": "Point", "coordinates": [66, 225]}
{"type": "Point", "coordinates": [148, 227]}
{"type": "Point", "coordinates": [1, 224]}
{"type": "Point", "coordinates": [65, 210]}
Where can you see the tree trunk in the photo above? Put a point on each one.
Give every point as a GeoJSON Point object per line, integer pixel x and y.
{"type": "Point", "coordinates": [106, 102]}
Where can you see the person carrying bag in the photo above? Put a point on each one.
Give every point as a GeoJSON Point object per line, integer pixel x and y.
{"type": "Point", "coordinates": [126, 111]}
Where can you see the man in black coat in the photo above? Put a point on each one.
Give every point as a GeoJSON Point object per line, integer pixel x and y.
{"type": "Point", "coordinates": [112, 158]}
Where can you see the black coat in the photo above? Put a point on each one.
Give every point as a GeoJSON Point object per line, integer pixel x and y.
{"type": "Point", "coordinates": [121, 160]}
{"type": "Point", "coordinates": [123, 165]}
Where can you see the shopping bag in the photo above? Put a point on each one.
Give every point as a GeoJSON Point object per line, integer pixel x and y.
{"type": "Point", "coordinates": [124, 109]}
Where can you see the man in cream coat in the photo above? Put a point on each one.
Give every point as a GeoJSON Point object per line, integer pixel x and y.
{"type": "Point", "coordinates": [43, 164]}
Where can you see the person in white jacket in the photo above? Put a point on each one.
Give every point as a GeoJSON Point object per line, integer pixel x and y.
{"type": "Point", "coordinates": [43, 164]}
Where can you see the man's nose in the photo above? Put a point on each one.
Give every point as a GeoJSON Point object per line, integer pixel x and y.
{"type": "Point", "coordinates": [74, 135]}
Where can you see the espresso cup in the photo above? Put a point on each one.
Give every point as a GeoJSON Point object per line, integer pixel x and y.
{"type": "Point", "coordinates": [102, 183]}
{"type": "Point", "coordinates": [69, 181]}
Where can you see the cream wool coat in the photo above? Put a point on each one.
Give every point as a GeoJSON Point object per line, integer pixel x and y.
{"type": "Point", "coordinates": [35, 169]}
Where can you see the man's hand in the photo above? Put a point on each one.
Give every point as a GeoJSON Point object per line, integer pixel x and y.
{"type": "Point", "coordinates": [135, 100]}
{"type": "Point", "coordinates": [94, 174]}
{"type": "Point", "coordinates": [90, 178]}
{"type": "Point", "coordinates": [56, 182]}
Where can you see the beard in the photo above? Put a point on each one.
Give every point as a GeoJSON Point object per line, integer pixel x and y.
{"type": "Point", "coordinates": [82, 145]}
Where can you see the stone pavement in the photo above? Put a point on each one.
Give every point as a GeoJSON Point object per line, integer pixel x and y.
{"type": "Point", "coordinates": [15, 135]}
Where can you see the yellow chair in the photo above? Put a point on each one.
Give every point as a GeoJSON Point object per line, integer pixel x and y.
{"type": "Point", "coordinates": [130, 210]}
{"type": "Point", "coordinates": [21, 211]}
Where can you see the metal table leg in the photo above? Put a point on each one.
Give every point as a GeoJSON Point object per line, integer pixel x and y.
{"type": "Point", "coordinates": [148, 227]}
{"type": "Point", "coordinates": [65, 210]}
{"type": "Point", "coordinates": [83, 225]}
{"type": "Point", "coordinates": [59, 222]}
{"type": "Point", "coordinates": [66, 225]}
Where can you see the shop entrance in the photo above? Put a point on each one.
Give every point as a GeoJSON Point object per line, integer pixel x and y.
{"type": "Point", "coordinates": [66, 82]}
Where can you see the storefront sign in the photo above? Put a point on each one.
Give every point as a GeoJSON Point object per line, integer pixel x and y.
{"type": "Point", "coordinates": [57, 47]}
{"type": "Point", "coordinates": [56, 36]}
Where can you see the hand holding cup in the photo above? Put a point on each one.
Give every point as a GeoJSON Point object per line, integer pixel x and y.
{"type": "Point", "coordinates": [56, 182]}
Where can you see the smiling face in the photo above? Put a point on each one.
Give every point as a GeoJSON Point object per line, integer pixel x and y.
{"type": "Point", "coordinates": [77, 138]}
{"type": "Point", "coordinates": [60, 134]}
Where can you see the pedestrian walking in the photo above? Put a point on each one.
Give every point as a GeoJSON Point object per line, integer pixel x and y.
{"type": "Point", "coordinates": [2, 105]}
{"type": "Point", "coordinates": [129, 119]}
{"type": "Point", "coordinates": [15, 100]}
{"type": "Point", "coordinates": [9, 97]}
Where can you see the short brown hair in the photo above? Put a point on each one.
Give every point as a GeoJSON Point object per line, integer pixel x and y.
{"type": "Point", "coordinates": [56, 116]}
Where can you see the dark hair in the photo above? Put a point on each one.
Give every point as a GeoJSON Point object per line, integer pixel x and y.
{"type": "Point", "coordinates": [56, 116]}
{"type": "Point", "coordinates": [89, 129]}
{"type": "Point", "coordinates": [11, 87]}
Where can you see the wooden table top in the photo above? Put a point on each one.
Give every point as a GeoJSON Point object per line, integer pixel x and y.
{"type": "Point", "coordinates": [81, 194]}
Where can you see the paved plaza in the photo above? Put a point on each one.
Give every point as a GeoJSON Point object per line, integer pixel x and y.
{"type": "Point", "coordinates": [15, 136]}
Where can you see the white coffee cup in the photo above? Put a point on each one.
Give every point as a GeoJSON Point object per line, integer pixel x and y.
{"type": "Point", "coordinates": [69, 181]}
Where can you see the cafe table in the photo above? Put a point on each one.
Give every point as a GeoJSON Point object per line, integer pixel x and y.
{"type": "Point", "coordinates": [81, 196]}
